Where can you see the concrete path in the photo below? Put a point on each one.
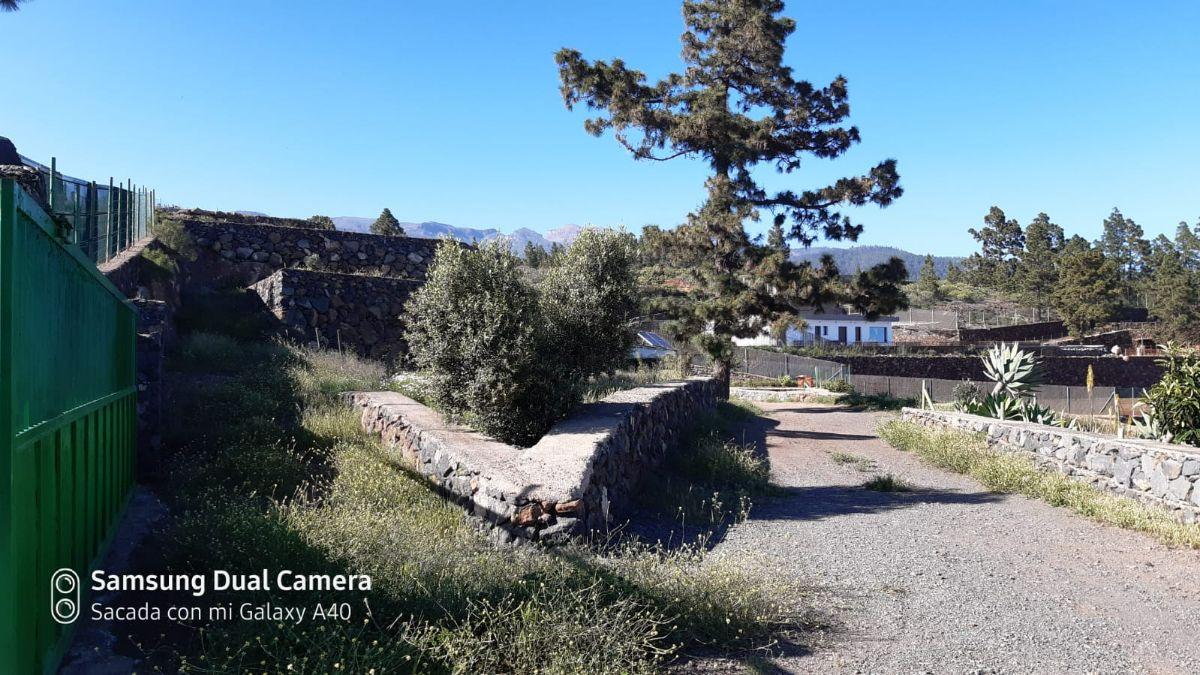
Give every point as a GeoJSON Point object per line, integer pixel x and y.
{"type": "Point", "coordinates": [950, 578]}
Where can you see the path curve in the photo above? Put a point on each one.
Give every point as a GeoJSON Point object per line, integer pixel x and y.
{"type": "Point", "coordinates": [951, 578]}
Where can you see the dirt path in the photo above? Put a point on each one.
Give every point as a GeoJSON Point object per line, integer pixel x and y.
{"type": "Point", "coordinates": [950, 578]}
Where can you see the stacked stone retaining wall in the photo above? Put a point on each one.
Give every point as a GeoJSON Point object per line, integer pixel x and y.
{"type": "Point", "coordinates": [358, 313]}
{"type": "Point", "coordinates": [247, 253]}
{"type": "Point", "coordinates": [579, 478]}
{"type": "Point", "coordinates": [1161, 474]}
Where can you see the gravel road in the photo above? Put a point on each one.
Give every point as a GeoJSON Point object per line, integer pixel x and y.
{"type": "Point", "coordinates": [950, 578]}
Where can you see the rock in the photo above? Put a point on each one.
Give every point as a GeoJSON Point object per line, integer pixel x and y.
{"type": "Point", "coordinates": [1158, 484]}
{"type": "Point", "coordinates": [568, 508]}
{"type": "Point", "coordinates": [527, 515]}
{"type": "Point", "coordinates": [244, 252]}
{"type": "Point", "coordinates": [1171, 468]}
{"type": "Point", "coordinates": [416, 258]}
{"type": "Point", "coordinates": [1191, 467]}
{"type": "Point", "coordinates": [260, 256]}
{"type": "Point", "coordinates": [1179, 488]}
{"type": "Point", "coordinates": [304, 244]}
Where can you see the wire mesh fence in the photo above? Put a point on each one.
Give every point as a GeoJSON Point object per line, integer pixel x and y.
{"type": "Point", "coordinates": [103, 220]}
{"type": "Point", "coordinates": [1070, 400]}
{"type": "Point", "coordinates": [975, 316]}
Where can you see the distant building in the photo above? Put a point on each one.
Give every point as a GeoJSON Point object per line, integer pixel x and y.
{"type": "Point", "coordinates": [836, 325]}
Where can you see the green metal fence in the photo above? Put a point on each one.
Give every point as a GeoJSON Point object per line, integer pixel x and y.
{"type": "Point", "coordinates": [103, 219]}
{"type": "Point", "coordinates": [67, 423]}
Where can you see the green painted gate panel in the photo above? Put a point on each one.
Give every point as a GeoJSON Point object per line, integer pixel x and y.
{"type": "Point", "coordinates": [67, 423]}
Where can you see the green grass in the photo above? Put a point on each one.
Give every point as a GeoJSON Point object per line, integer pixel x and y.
{"type": "Point", "coordinates": [861, 463]}
{"type": "Point", "coordinates": [266, 467]}
{"type": "Point", "coordinates": [970, 454]}
{"type": "Point", "coordinates": [887, 483]}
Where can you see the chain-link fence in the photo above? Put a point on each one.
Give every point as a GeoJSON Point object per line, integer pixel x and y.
{"type": "Point", "coordinates": [760, 364]}
{"type": "Point", "coordinates": [103, 219]}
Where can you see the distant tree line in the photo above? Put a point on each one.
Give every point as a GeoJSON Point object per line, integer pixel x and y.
{"type": "Point", "coordinates": [1086, 283]}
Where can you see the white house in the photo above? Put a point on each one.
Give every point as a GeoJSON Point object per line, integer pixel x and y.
{"type": "Point", "coordinates": [832, 324]}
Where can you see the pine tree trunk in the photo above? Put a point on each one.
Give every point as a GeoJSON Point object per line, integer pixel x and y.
{"type": "Point", "coordinates": [721, 375]}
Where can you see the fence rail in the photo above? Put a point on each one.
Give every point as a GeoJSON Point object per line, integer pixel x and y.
{"type": "Point", "coordinates": [954, 317]}
{"type": "Point", "coordinates": [104, 219]}
{"type": "Point", "coordinates": [67, 424]}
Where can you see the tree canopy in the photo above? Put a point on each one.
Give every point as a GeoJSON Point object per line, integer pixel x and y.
{"type": "Point", "coordinates": [387, 225]}
{"type": "Point", "coordinates": [735, 106]}
{"type": "Point", "coordinates": [322, 223]}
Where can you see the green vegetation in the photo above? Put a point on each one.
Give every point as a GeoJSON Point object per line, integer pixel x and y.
{"type": "Point", "coordinates": [264, 464]}
{"type": "Point", "coordinates": [1087, 284]}
{"type": "Point", "coordinates": [718, 282]}
{"type": "Point", "coordinates": [1011, 473]}
{"type": "Point", "coordinates": [509, 358]}
{"type": "Point", "coordinates": [712, 478]}
{"type": "Point", "coordinates": [159, 266]}
{"type": "Point", "coordinates": [322, 223]}
{"type": "Point", "coordinates": [1017, 374]}
{"type": "Point", "coordinates": [887, 483]}
{"type": "Point", "coordinates": [863, 464]}
{"type": "Point", "coordinates": [387, 225]}
{"type": "Point", "coordinates": [170, 233]}
{"type": "Point", "coordinates": [1173, 412]}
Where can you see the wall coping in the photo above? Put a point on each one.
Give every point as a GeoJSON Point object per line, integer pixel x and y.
{"type": "Point", "coordinates": [561, 484]}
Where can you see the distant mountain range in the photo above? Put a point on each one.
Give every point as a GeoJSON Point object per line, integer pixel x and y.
{"type": "Point", "coordinates": [848, 260]}
{"type": "Point", "coordinates": [433, 230]}
{"type": "Point", "coordinates": [854, 258]}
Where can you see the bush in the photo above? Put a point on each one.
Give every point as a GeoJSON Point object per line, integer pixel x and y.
{"type": "Point", "coordinates": [839, 386]}
{"type": "Point", "coordinates": [1174, 401]}
{"type": "Point", "coordinates": [965, 394]}
{"type": "Point", "coordinates": [509, 358]}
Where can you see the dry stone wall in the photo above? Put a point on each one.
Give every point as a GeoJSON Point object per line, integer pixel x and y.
{"type": "Point", "coordinates": [1162, 474]}
{"type": "Point", "coordinates": [247, 253]}
{"type": "Point", "coordinates": [578, 478]}
{"type": "Point", "coordinates": [358, 313]}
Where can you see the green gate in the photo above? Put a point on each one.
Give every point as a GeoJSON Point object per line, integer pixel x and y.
{"type": "Point", "coordinates": [68, 414]}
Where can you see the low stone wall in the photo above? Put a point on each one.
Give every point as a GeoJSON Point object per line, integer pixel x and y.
{"type": "Point", "coordinates": [358, 313]}
{"type": "Point", "coordinates": [778, 394]}
{"type": "Point", "coordinates": [247, 253]}
{"type": "Point", "coordinates": [1155, 473]}
{"type": "Point", "coordinates": [578, 478]}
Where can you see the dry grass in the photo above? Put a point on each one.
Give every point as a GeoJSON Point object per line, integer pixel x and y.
{"type": "Point", "coordinates": [969, 454]}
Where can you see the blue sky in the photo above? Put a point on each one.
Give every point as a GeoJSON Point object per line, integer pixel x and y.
{"type": "Point", "coordinates": [451, 111]}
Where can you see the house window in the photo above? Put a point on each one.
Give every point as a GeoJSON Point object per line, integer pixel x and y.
{"type": "Point", "coordinates": [858, 333]}
{"type": "Point", "coordinates": [877, 334]}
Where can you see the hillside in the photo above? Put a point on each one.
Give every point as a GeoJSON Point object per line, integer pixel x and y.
{"type": "Point", "coordinates": [856, 258]}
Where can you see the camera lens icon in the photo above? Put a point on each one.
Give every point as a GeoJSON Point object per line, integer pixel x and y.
{"type": "Point", "coordinates": [64, 596]}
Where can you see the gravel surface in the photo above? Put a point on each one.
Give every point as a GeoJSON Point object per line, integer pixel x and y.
{"type": "Point", "coordinates": [950, 578]}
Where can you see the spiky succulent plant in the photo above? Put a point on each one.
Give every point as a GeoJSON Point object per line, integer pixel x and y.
{"type": "Point", "coordinates": [1015, 371]}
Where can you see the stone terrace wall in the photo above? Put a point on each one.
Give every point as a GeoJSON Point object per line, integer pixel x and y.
{"type": "Point", "coordinates": [358, 313]}
{"type": "Point", "coordinates": [248, 253]}
{"type": "Point", "coordinates": [1155, 473]}
{"type": "Point", "coordinates": [578, 478]}
{"type": "Point", "coordinates": [1045, 330]}
{"type": "Point", "coordinates": [1067, 370]}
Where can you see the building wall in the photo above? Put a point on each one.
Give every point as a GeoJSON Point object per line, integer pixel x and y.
{"type": "Point", "coordinates": [805, 336]}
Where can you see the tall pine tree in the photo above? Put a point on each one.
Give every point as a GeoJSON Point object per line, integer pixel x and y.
{"type": "Point", "coordinates": [1001, 242]}
{"type": "Point", "coordinates": [1037, 270]}
{"type": "Point", "coordinates": [927, 290]}
{"type": "Point", "coordinates": [735, 106]}
{"type": "Point", "coordinates": [387, 225]}
{"type": "Point", "coordinates": [1174, 296]}
{"type": "Point", "coordinates": [1088, 291]}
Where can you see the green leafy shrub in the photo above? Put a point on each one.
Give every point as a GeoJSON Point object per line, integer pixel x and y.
{"type": "Point", "coordinates": [509, 358]}
{"type": "Point", "coordinates": [965, 394]}
{"type": "Point", "coordinates": [170, 233]}
{"type": "Point", "coordinates": [1174, 402]}
{"type": "Point", "coordinates": [839, 387]}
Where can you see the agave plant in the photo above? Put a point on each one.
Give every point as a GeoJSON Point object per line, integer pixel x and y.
{"type": "Point", "coordinates": [998, 406]}
{"type": "Point", "coordinates": [1146, 425]}
{"type": "Point", "coordinates": [1038, 414]}
{"type": "Point", "coordinates": [1015, 371]}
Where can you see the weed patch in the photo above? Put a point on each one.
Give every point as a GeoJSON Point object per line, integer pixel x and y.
{"type": "Point", "coordinates": [861, 463]}
{"type": "Point", "coordinates": [887, 483]}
